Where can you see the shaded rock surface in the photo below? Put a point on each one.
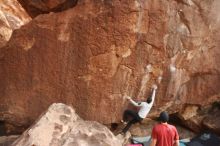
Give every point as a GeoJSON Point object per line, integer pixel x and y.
{"type": "Point", "coordinates": [202, 120]}
{"type": "Point", "coordinates": [12, 16]}
{"type": "Point", "coordinates": [7, 140]}
{"type": "Point", "coordinates": [192, 117]}
{"type": "Point", "coordinates": [93, 54]}
{"type": "Point", "coordinates": [61, 126]}
{"type": "Point", "coordinates": [35, 8]}
{"type": "Point", "coordinates": [146, 126]}
{"type": "Point", "coordinates": [211, 122]}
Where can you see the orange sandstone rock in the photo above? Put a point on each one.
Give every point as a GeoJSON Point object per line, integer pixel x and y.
{"type": "Point", "coordinates": [93, 54]}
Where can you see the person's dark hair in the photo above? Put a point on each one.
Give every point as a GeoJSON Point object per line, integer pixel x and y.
{"type": "Point", "coordinates": [149, 99]}
{"type": "Point", "coordinates": [164, 117]}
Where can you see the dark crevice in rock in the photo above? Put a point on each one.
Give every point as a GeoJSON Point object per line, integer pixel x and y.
{"type": "Point", "coordinates": [34, 11]}
{"type": "Point", "coordinates": [7, 129]}
{"type": "Point", "coordinates": [114, 126]}
{"type": "Point", "coordinates": [2, 128]}
{"type": "Point", "coordinates": [156, 47]}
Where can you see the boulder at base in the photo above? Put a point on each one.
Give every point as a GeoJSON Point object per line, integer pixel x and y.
{"type": "Point", "coordinates": [61, 126]}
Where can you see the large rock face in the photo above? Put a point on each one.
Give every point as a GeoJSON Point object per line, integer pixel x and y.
{"type": "Point", "coordinates": [12, 16]}
{"type": "Point", "coordinates": [61, 126]}
{"type": "Point", "coordinates": [36, 7]}
{"type": "Point", "coordinates": [91, 55]}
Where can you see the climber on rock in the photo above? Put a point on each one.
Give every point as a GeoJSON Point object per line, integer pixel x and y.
{"type": "Point", "coordinates": [145, 107]}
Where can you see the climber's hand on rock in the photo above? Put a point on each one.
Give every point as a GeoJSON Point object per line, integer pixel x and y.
{"type": "Point", "coordinates": [154, 86]}
{"type": "Point", "coordinates": [127, 97]}
{"type": "Point", "coordinates": [159, 79]}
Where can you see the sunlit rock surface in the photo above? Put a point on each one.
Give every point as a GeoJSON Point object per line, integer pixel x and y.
{"type": "Point", "coordinates": [61, 126]}
{"type": "Point", "coordinates": [12, 16]}
{"type": "Point", "coordinates": [93, 54]}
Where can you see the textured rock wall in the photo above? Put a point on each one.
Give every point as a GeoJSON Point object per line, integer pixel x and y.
{"type": "Point", "coordinates": [91, 55]}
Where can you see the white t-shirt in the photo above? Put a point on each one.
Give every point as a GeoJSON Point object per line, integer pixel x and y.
{"type": "Point", "coordinates": [144, 106]}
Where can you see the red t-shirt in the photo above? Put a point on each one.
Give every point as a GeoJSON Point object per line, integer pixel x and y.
{"type": "Point", "coordinates": [165, 134]}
